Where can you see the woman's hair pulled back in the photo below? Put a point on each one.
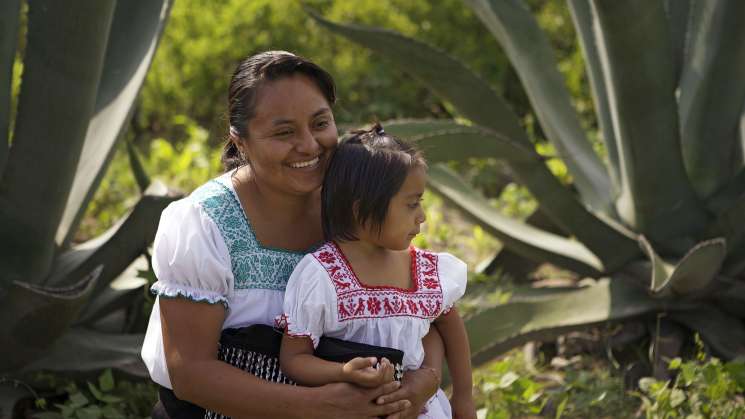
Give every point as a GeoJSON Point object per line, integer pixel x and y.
{"type": "Point", "coordinates": [250, 75]}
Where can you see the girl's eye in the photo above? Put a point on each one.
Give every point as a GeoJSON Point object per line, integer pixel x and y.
{"type": "Point", "coordinates": [415, 205]}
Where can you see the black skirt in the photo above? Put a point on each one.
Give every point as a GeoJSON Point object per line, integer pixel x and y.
{"type": "Point", "coordinates": [255, 349]}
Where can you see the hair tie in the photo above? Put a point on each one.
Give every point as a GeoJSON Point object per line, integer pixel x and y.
{"type": "Point", "coordinates": [234, 132]}
{"type": "Point", "coordinates": [379, 129]}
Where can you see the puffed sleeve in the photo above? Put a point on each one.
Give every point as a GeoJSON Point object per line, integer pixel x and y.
{"type": "Point", "coordinates": [307, 300]}
{"type": "Point", "coordinates": [453, 278]}
{"type": "Point", "coordinates": [190, 258]}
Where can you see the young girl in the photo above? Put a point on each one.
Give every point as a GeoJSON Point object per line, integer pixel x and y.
{"type": "Point", "coordinates": [366, 284]}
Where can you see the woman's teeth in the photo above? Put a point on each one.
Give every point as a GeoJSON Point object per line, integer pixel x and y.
{"type": "Point", "coordinates": [302, 164]}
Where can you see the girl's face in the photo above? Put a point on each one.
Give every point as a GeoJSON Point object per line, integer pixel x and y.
{"type": "Point", "coordinates": [404, 215]}
{"type": "Point", "coordinates": [291, 137]}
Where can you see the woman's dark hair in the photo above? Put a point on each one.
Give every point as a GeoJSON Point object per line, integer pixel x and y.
{"type": "Point", "coordinates": [365, 172]}
{"type": "Point", "coordinates": [250, 75]}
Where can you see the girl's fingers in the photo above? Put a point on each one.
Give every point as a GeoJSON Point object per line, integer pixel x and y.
{"type": "Point", "coordinates": [360, 363]}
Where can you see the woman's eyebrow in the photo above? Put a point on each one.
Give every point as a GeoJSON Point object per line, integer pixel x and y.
{"type": "Point", "coordinates": [280, 121]}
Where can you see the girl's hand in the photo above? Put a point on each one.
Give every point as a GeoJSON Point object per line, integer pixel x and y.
{"type": "Point", "coordinates": [463, 407]}
{"type": "Point", "coordinates": [367, 372]}
{"type": "Point", "coordinates": [417, 386]}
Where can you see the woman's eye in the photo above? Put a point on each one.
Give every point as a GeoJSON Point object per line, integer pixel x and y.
{"type": "Point", "coordinates": [283, 133]}
{"type": "Point", "coordinates": [322, 124]}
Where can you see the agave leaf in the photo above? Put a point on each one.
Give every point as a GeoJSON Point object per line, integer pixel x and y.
{"type": "Point", "coordinates": [678, 14]}
{"type": "Point", "coordinates": [496, 330]}
{"type": "Point", "coordinates": [530, 53]}
{"type": "Point", "coordinates": [120, 293]}
{"type": "Point", "coordinates": [82, 349]}
{"type": "Point", "coordinates": [656, 197]}
{"type": "Point", "coordinates": [62, 66]}
{"type": "Point", "coordinates": [693, 273]}
{"type": "Point", "coordinates": [729, 194]}
{"type": "Point", "coordinates": [721, 331]}
{"type": "Point", "coordinates": [446, 76]}
{"type": "Point", "coordinates": [711, 99]}
{"type": "Point", "coordinates": [524, 239]}
{"type": "Point", "coordinates": [584, 22]}
{"type": "Point", "coordinates": [135, 32]}
{"type": "Point", "coordinates": [9, 19]}
{"type": "Point", "coordinates": [729, 224]}
{"type": "Point", "coordinates": [444, 140]}
{"type": "Point", "coordinates": [118, 246]}
{"type": "Point", "coordinates": [34, 317]}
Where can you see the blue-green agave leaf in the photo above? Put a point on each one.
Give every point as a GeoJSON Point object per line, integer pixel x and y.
{"type": "Point", "coordinates": [656, 197]}
{"type": "Point", "coordinates": [721, 331]}
{"type": "Point", "coordinates": [34, 317]}
{"type": "Point", "coordinates": [64, 57]}
{"type": "Point", "coordinates": [496, 330]}
{"type": "Point", "coordinates": [584, 22]}
{"type": "Point", "coordinates": [530, 53]}
{"type": "Point", "coordinates": [135, 32]}
{"type": "Point", "coordinates": [712, 94]}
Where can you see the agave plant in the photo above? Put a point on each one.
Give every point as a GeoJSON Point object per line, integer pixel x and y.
{"type": "Point", "coordinates": [82, 68]}
{"type": "Point", "coordinates": [657, 224]}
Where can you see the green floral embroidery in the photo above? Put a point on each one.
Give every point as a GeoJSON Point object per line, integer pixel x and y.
{"type": "Point", "coordinates": [253, 266]}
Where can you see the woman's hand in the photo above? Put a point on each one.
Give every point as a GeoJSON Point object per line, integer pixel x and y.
{"type": "Point", "coordinates": [344, 400]}
{"type": "Point", "coordinates": [367, 372]}
{"type": "Point", "coordinates": [417, 386]}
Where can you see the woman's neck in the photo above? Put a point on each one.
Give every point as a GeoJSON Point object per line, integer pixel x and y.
{"type": "Point", "coordinates": [266, 200]}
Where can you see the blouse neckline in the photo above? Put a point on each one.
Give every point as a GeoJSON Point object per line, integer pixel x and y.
{"type": "Point", "coordinates": [413, 272]}
{"type": "Point", "coordinates": [225, 181]}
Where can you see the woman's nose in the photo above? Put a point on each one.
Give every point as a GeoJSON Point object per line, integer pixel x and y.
{"type": "Point", "coordinates": [307, 143]}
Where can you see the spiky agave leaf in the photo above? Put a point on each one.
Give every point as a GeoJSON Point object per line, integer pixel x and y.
{"type": "Point", "coordinates": [34, 317]}
{"type": "Point", "coordinates": [9, 19]}
{"type": "Point", "coordinates": [62, 65]}
{"type": "Point", "coordinates": [529, 52]}
{"type": "Point", "coordinates": [135, 32]}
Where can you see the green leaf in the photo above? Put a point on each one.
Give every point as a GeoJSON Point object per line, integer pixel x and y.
{"type": "Point", "coordinates": [678, 16]}
{"type": "Point", "coordinates": [711, 94]}
{"type": "Point", "coordinates": [106, 380]}
{"type": "Point", "coordinates": [522, 238]}
{"type": "Point", "coordinates": [34, 317]}
{"type": "Point", "coordinates": [721, 331]}
{"type": "Point", "coordinates": [120, 245]}
{"type": "Point", "coordinates": [529, 51]}
{"type": "Point", "coordinates": [82, 349]}
{"type": "Point", "coordinates": [135, 32]}
{"type": "Point", "coordinates": [661, 270]}
{"type": "Point", "coordinates": [63, 61]}
{"type": "Point", "coordinates": [9, 19]}
{"type": "Point", "coordinates": [498, 329]}
{"type": "Point", "coordinates": [584, 23]}
{"type": "Point", "coordinates": [100, 396]}
{"type": "Point", "coordinates": [138, 170]}
{"type": "Point", "coordinates": [656, 198]}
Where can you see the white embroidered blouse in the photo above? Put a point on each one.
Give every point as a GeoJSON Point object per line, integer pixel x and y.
{"type": "Point", "coordinates": [324, 297]}
{"type": "Point", "coordinates": [205, 250]}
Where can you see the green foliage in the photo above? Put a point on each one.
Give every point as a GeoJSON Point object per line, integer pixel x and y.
{"type": "Point", "coordinates": [107, 398]}
{"type": "Point", "coordinates": [702, 389]}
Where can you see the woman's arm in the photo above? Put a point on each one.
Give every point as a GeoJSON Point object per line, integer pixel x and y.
{"type": "Point", "coordinates": [458, 355]}
{"type": "Point", "coordinates": [299, 363]}
{"type": "Point", "coordinates": [191, 333]}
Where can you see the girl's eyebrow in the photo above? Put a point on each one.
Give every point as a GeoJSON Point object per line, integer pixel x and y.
{"type": "Point", "coordinates": [280, 121]}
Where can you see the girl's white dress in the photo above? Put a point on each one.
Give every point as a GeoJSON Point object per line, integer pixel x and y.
{"type": "Point", "coordinates": [324, 297]}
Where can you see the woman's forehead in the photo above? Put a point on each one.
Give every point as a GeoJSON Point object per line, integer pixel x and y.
{"type": "Point", "coordinates": [289, 99]}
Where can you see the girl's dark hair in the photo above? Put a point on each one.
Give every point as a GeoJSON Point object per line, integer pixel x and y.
{"type": "Point", "coordinates": [250, 75]}
{"type": "Point", "coordinates": [365, 172]}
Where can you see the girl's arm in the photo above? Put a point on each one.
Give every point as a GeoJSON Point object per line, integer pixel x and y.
{"type": "Point", "coordinates": [458, 354]}
{"type": "Point", "coordinates": [191, 332]}
{"type": "Point", "coordinates": [299, 363]}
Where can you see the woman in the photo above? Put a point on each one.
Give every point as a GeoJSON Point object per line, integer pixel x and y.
{"type": "Point", "coordinates": [223, 256]}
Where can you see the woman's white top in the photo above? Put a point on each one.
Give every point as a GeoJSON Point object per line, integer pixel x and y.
{"type": "Point", "coordinates": [205, 250]}
{"type": "Point", "coordinates": [325, 297]}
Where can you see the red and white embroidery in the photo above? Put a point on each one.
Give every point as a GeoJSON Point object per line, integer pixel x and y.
{"type": "Point", "coordinates": [356, 300]}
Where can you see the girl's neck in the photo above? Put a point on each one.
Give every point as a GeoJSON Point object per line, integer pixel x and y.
{"type": "Point", "coordinates": [374, 265]}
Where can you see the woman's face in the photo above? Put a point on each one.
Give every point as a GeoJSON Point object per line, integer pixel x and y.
{"type": "Point", "coordinates": [291, 137]}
